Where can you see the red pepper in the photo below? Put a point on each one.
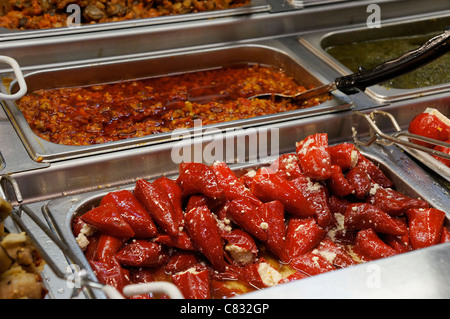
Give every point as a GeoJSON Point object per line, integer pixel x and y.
{"type": "Point", "coordinates": [445, 237]}
{"type": "Point", "coordinates": [204, 231]}
{"type": "Point", "coordinates": [255, 274]}
{"type": "Point", "coordinates": [198, 178]}
{"type": "Point", "coordinates": [375, 173]}
{"type": "Point", "coordinates": [429, 125]}
{"type": "Point", "coordinates": [401, 244]}
{"type": "Point", "coordinates": [174, 192]}
{"type": "Point", "coordinates": [140, 275]}
{"type": "Point", "coordinates": [445, 150]}
{"type": "Point", "coordinates": [270, 187]}
{"type": "Point", "coordinates": [340, 258]}
{"type": "Point", "coordinates": [111, 273]}
{"type": "Point", "coordinates": [311, 264]}
{"type": "Point", "coordinates": [371, 247]}
{"type": "Point", "coordinates": [360, 181]}
{"type": "Point", "coordinates": [244, 214]}
{"type": "Point", "coordinates": [181, 241]}
{"type": "Point", "coordinates": [159, 205]}
{"type": "Point", "coordinates": [337, 205]}
{"type": "Point", "coordinates": [133, 212]}
{"type": "Point", "coordinates": [317, 196]}
{"type": "Point", "coordinates": [142, 253]}
{"type": "Point", "coordinates": [314, 158]}
{"type": "Point", "coordinates": [107, 219]}
{"type": "Point", "coordinates": [231, 185]}
{"type": "Point", "coordinates": [241, 247]}
{"type": "Point", "coordinates": [343, 155]}
{"type": "Point", "coordinates": [91, 250]}
{"type": "Point", "coordinates": [202, 200]}
{"type": "Point", "coordinates": [338, 184]}
{"type": "Point", "coordinates": [273, 223]}
{"type": "Point", "coordinates": [394, 203]}
{"type": "Point", "coordinates": [425, 226]}
{"type": "Point", "coordinates": [180, 261]}
{"type": "Point", "coordinates": [302, 236]}
{"type": "Point", "coordinates": [193, 284]}
{"type": "Point", "coordinates": [107, 248]}
{"type": "Point", "coordinates": [362, 216]}
{"type": "Point", "coordinates": [287, 166]}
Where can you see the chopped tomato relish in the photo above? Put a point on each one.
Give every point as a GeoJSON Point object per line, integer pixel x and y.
{"type": "Point", "coordinates": [110, 112]}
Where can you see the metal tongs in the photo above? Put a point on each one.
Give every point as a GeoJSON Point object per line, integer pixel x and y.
{"type": "Point", "coordinates": [353, 83]}
{"type": "Point", "coordinates": [376, 135]}
{"type": "Point", "coordinates": [78, 278]}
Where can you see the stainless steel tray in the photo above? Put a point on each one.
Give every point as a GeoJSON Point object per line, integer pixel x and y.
{"type": "Point", "coordinates": [255, 6]}
{"type": "Point", "coordinates": [272, 53]}
{"type": "Point", "coordinates": [319, 41]}
{"type": "Point", "coordinates": [413, 182]}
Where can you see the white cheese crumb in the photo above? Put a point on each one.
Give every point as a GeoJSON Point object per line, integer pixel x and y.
{"type": "Point", "coordinates": [269, 275]}
{"type": "Point", "coordinates": [251, 173]}
{"type": "Point", "coordinates": [373, 189]}
{"type": "Point", "coordinates": [191, 270]}
{"type": "Point", "coordinates": [82, 239]}
{"type": "Point", "coordinates": [239, 254]}
{"type": "Point", "coordinates": [353, 158]}
{"type": "Point", "coordinates": [264, 225]}
{"type": "Point", "coordinates": [313, 186]}
{"type": "Point", "coordinates": [340, 226]}
{"type": "Point", "coordinates": [305, 146]}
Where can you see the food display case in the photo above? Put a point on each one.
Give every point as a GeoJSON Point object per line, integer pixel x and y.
{"type": "Point", "coordinates": [49, 185]}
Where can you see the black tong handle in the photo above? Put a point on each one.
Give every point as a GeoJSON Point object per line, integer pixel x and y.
{"type": "Point", "coordinates": [409, 61]}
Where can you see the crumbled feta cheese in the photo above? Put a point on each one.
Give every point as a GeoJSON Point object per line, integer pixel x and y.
{"type": "Point", "coordinates": [264, 225]}
{"type": "Point", "coordinates": [340, 226]}
{"type": "Point", "coordinates": [373, 189]}
{"type": "Point", "coordinates": [305, 146]}
{"type": "Point", "coordinates": [269, 275]}
{"type": "Point", "coordinates": [313, 186]}
{"type": "Point", "coordinates": [82, 239]}
{"type": "Point", "coordinates": [353, 158]}
{"type": "Point", "coordinates": [239, 254]}
{"type": "Point", "coordinates": [191, 270]}
{"type": "Point", "coordinates": [251, 173]}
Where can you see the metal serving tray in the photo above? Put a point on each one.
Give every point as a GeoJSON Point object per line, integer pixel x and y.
{"type": "Point", "coordinates": [319, 41]}
{"type": "Point", "coordinates": [254, 6]}
{"type": "Point", "coordinates": [273, 53]}
{"type": "Point", "coordinates": [407, 177]}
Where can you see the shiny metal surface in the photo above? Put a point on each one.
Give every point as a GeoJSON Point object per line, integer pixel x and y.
{"type": "Point", "coordinates": [318, 42]}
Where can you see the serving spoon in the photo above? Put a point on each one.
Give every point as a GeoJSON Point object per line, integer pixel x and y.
{"type": "Point", "coordinates": [356, 82]}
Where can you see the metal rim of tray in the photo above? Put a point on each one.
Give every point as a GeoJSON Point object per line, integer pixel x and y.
{"type": "Point", "coordinates": [44, 151]}
{"type": "Point", "coordinates": [60, 212]}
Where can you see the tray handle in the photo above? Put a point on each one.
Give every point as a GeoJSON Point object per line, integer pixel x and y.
{"type": "Point", "coordinates": [19, 76]}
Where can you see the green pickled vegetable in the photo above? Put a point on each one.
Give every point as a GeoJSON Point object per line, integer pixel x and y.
{"type": "Point", "coordinates": [369, 54]}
